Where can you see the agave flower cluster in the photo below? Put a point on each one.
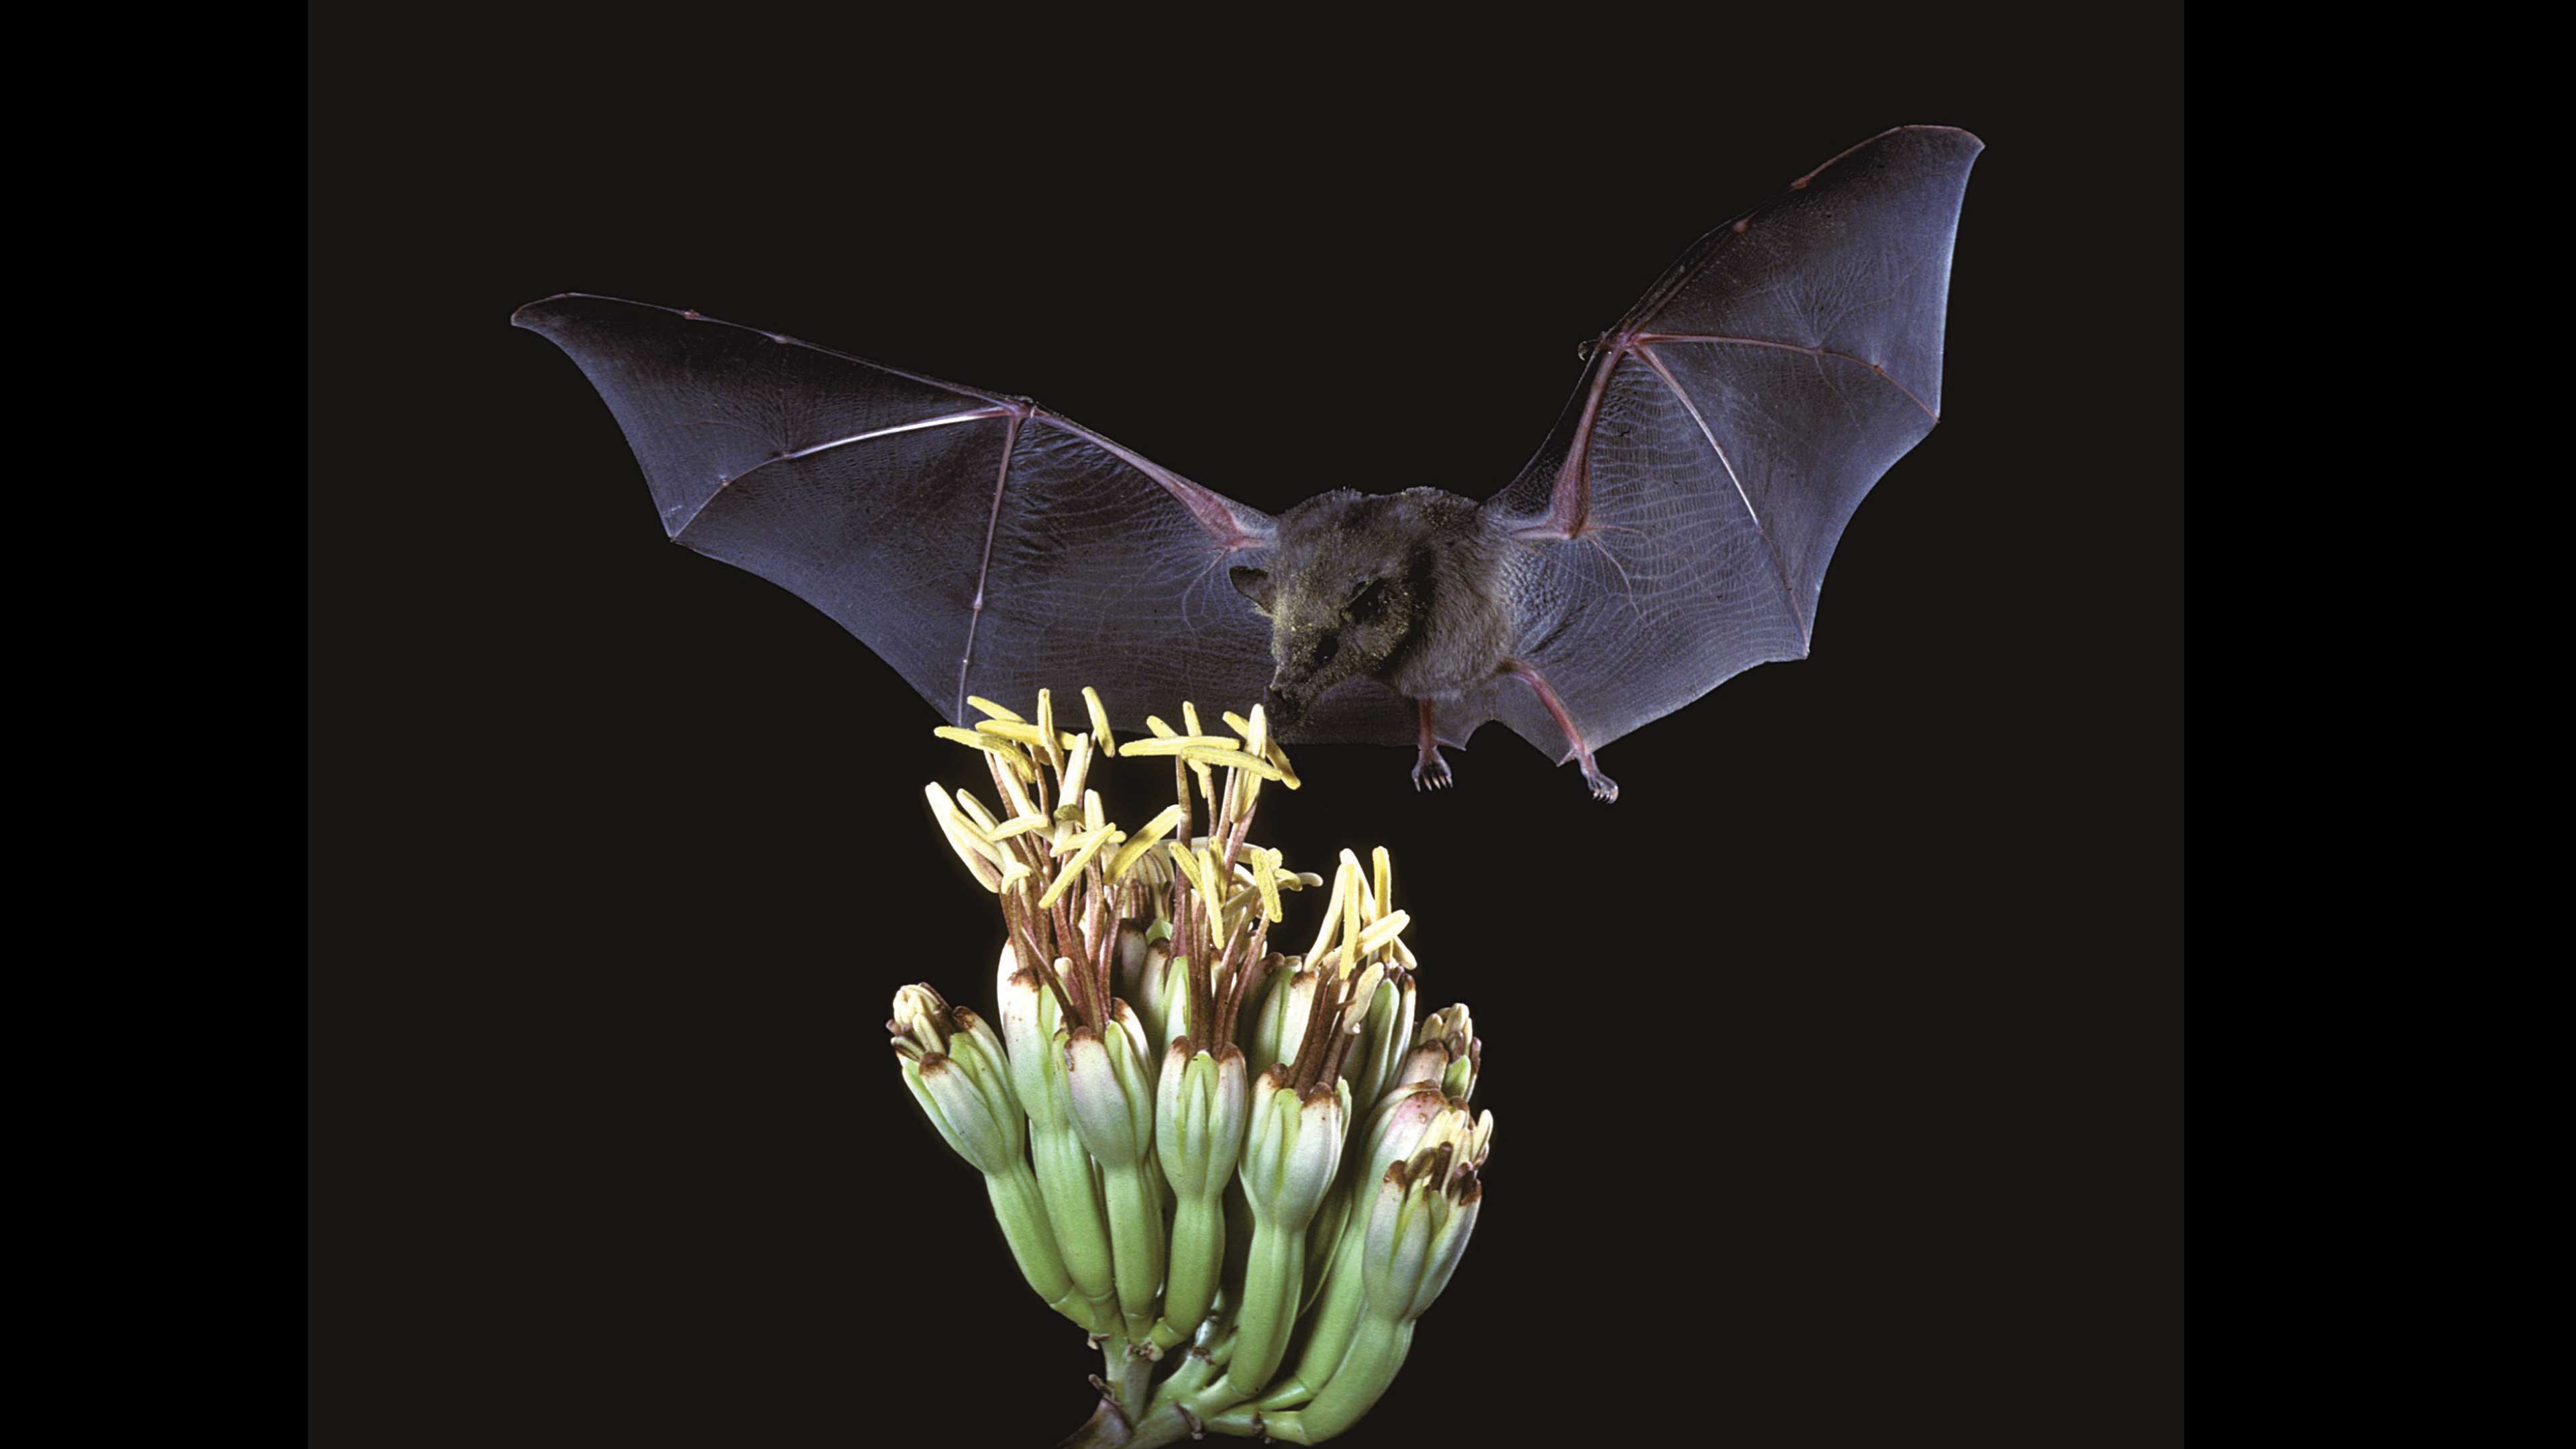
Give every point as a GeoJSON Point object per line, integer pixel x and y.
{"type": "Point", "coordinates": [1244, 1174]}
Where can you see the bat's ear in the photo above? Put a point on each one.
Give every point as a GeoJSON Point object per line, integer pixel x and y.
{"type": "Point", "coordinates": [1253, 584]}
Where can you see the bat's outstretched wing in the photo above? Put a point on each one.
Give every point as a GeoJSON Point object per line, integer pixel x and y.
{"type": "Point", "coordinates": [978, 543]}
{"type": "Point", "coordinates": [1691, 495]}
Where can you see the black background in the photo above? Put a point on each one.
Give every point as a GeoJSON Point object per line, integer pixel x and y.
{"type": "Point", "coordinates": [1836, 1065]}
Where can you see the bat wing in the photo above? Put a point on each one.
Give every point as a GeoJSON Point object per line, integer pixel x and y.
{"type": "Point", "coordinates": [978, 543]}
{"type": "Point", "coordinates": [1688, 500]}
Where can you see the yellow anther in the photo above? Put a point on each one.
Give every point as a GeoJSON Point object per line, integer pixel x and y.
{"type": "Point", "coordinates": [974, 830]}
{"type": "Point", "coordinates": [1019, 762]}
{"type": "Point", "coordinates": [1387, 929]}
{"type": "Point", "coordinates": [1178, 744]}
{"type": "Point", "coordinates": [1332, 927]}
{"type": "Point", "coordinates": [974, 854]}
{"type": "Point", "coordinates": [1099, 721]}
{"type": "Point", "coordinates": [1078, 770]}
{"type": "Point", "coordinates": [1363, 996]}
{"type": "Point", "coordinates": [1242, 898]}
{"type": "Point", "coordinates": [1217, 914]}
{"type": "Point", "coordinates": [1161, 731]}
{"type": "Point", "coordinates": [1203, 755]}
{"type": "Point", "coordinates": [975, 810]}
{"type": "Point", "coordinates": [1279, 757]}
{"type": "Point", "coordinates": [1350, 898]}
{"type": "Point", "coordinates": [1257, 741]}
{"type": "Point", "coordinates": [1019, 825]}
{"type": "Point", "coordinates": [1256, 734]}
{"type": "Point", "coordinates": [1207, 777]}
{"type": "Point", "coordinates": [1023, 733]}
{"type": "Point", "coordinates": [1047, 738]}
{"type": "Point", "coordinates": [1143, 841]}
{"type": "Point", "coordinates": [1019, 800]}
{"type": "Point", "coordinates": [988, 707]}
{"type": "Point", "coordinates": [1185, 864]}
{"type": "Point", "coordinates": [1091, 842]}
{"type": "Point", "coordinates": [1265, 878]}
{"type": "Point", "coordinates": [1384, 871]}
{"type": "Point", "coordinates": [1201, 871]}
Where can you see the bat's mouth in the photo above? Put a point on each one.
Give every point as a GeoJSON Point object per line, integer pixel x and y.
{"type": "Point", "coordinates": [1285, 711]}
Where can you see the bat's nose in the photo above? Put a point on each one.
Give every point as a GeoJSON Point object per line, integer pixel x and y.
{"type": "Point", "coordinates": [1284, 711]}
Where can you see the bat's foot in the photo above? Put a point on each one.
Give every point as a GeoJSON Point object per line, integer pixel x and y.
{"type": "Point", "coordinates": [1604, 789]}
{"type": "Point", "coordinates": [1431, 772]}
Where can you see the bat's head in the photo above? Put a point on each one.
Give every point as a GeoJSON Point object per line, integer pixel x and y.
{"type": "Point", "coordinates": [1348, 586]}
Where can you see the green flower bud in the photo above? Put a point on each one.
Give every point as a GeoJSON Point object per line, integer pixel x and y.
{"type": "Point", "coordinates": [962, 1114]}
{"type": "Point", "coordinates": [924, 1022]}
{"type": "Point", "coordinates": [1281, 1026]}
{"type": "Point", "coordinates": [1032, 1036]}
{"type": "Point", "coordinates": [1424, 1211]}
{"type": "Point", "coordinates": [1154, 988]}
{"type": "Point", "coordinates": [1396, 1131]}
{"type": "Point", "coordinates": [1446, 1053]}
{"type": "Point", "coordinates": [1199, 1128]}
{"type": "Point", "coordinates": [1112, 1093]}
{"type": "Point", "coordinates": [1384, 1040]}
{"type": "Point", "coordinates": [1293, 1146]}
{"type": "Point", "coordinates": [920, 1021]}
{"type": "Point", "coordinates": [955, 1068]}
{"type": "Point", "coordinates": [1112, 1096]}
{"type": "Point", "coordinates": [1073, 1206]}
{"type": "Point", "coordinates": [1334, 1275]}
{"type": "Point", "coordinates": [1199, 1110]}
{"type": "Point", "coordinates": [1418, 1229]}
{"type": "Point", "coordinates": [1129, 958]}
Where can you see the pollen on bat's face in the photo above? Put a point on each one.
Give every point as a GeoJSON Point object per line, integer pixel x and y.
{"type": "Point", "coordinates": [1343, 593]}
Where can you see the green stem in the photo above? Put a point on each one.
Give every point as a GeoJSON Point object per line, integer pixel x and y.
{"type": "Point", "coordinates": [1135, 1243]}
{"type": "Point", "coordinates": [1329, 1325]}
{"type": "Point", "coordinates": [1327, 1232]}
{"type": "Point", "coordinates": [1021, 1210]}
{"type": "Point", "coordinates": [1125, 1418]}
{"type": "Point", "coordinates": [1377, 1352]}
{"type": "Point", "coordinates": [1210, 1351]}
{"type": "Point", "coordinates": [1197, 1266]}
{"type": "Point", "coordinates": [1273, 1280]}
{"type": "Point", "coordinates": [1072, 1194]}
{"type": "Point", "coordinates": [1130, 1375]}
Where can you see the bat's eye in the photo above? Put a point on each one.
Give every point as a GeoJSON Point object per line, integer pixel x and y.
{"type": "Point", "coordinates": [1365, 595]}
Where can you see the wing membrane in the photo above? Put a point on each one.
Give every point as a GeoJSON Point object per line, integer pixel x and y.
{"type": "Point", "coordinates": [1690, 497]}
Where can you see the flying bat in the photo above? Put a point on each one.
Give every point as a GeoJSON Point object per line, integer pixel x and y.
{"type": "Point", "coordinates": [1672, 531]}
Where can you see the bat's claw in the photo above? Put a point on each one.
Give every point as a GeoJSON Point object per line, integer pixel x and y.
{"type": "Point", "coordinates": [1604, 789]}
{"type": "Point", "coordinates": [1432, 773]}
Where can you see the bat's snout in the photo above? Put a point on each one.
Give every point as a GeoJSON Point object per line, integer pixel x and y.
{"type": "Point", "coordinates": [1284, 711]}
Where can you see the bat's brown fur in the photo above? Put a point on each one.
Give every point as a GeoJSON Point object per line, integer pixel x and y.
{"type": "Point", "coordinates": [1400, 587]}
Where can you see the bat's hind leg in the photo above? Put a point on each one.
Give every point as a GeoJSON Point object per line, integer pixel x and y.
{"type": "Point", "coordinates": [1430, 772]}
{"type": "Point", "coordinates": [1604, 789]}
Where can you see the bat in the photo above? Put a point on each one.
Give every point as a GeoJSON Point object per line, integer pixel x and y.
{"type": "Point", "coordinates": [1672, 531]}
